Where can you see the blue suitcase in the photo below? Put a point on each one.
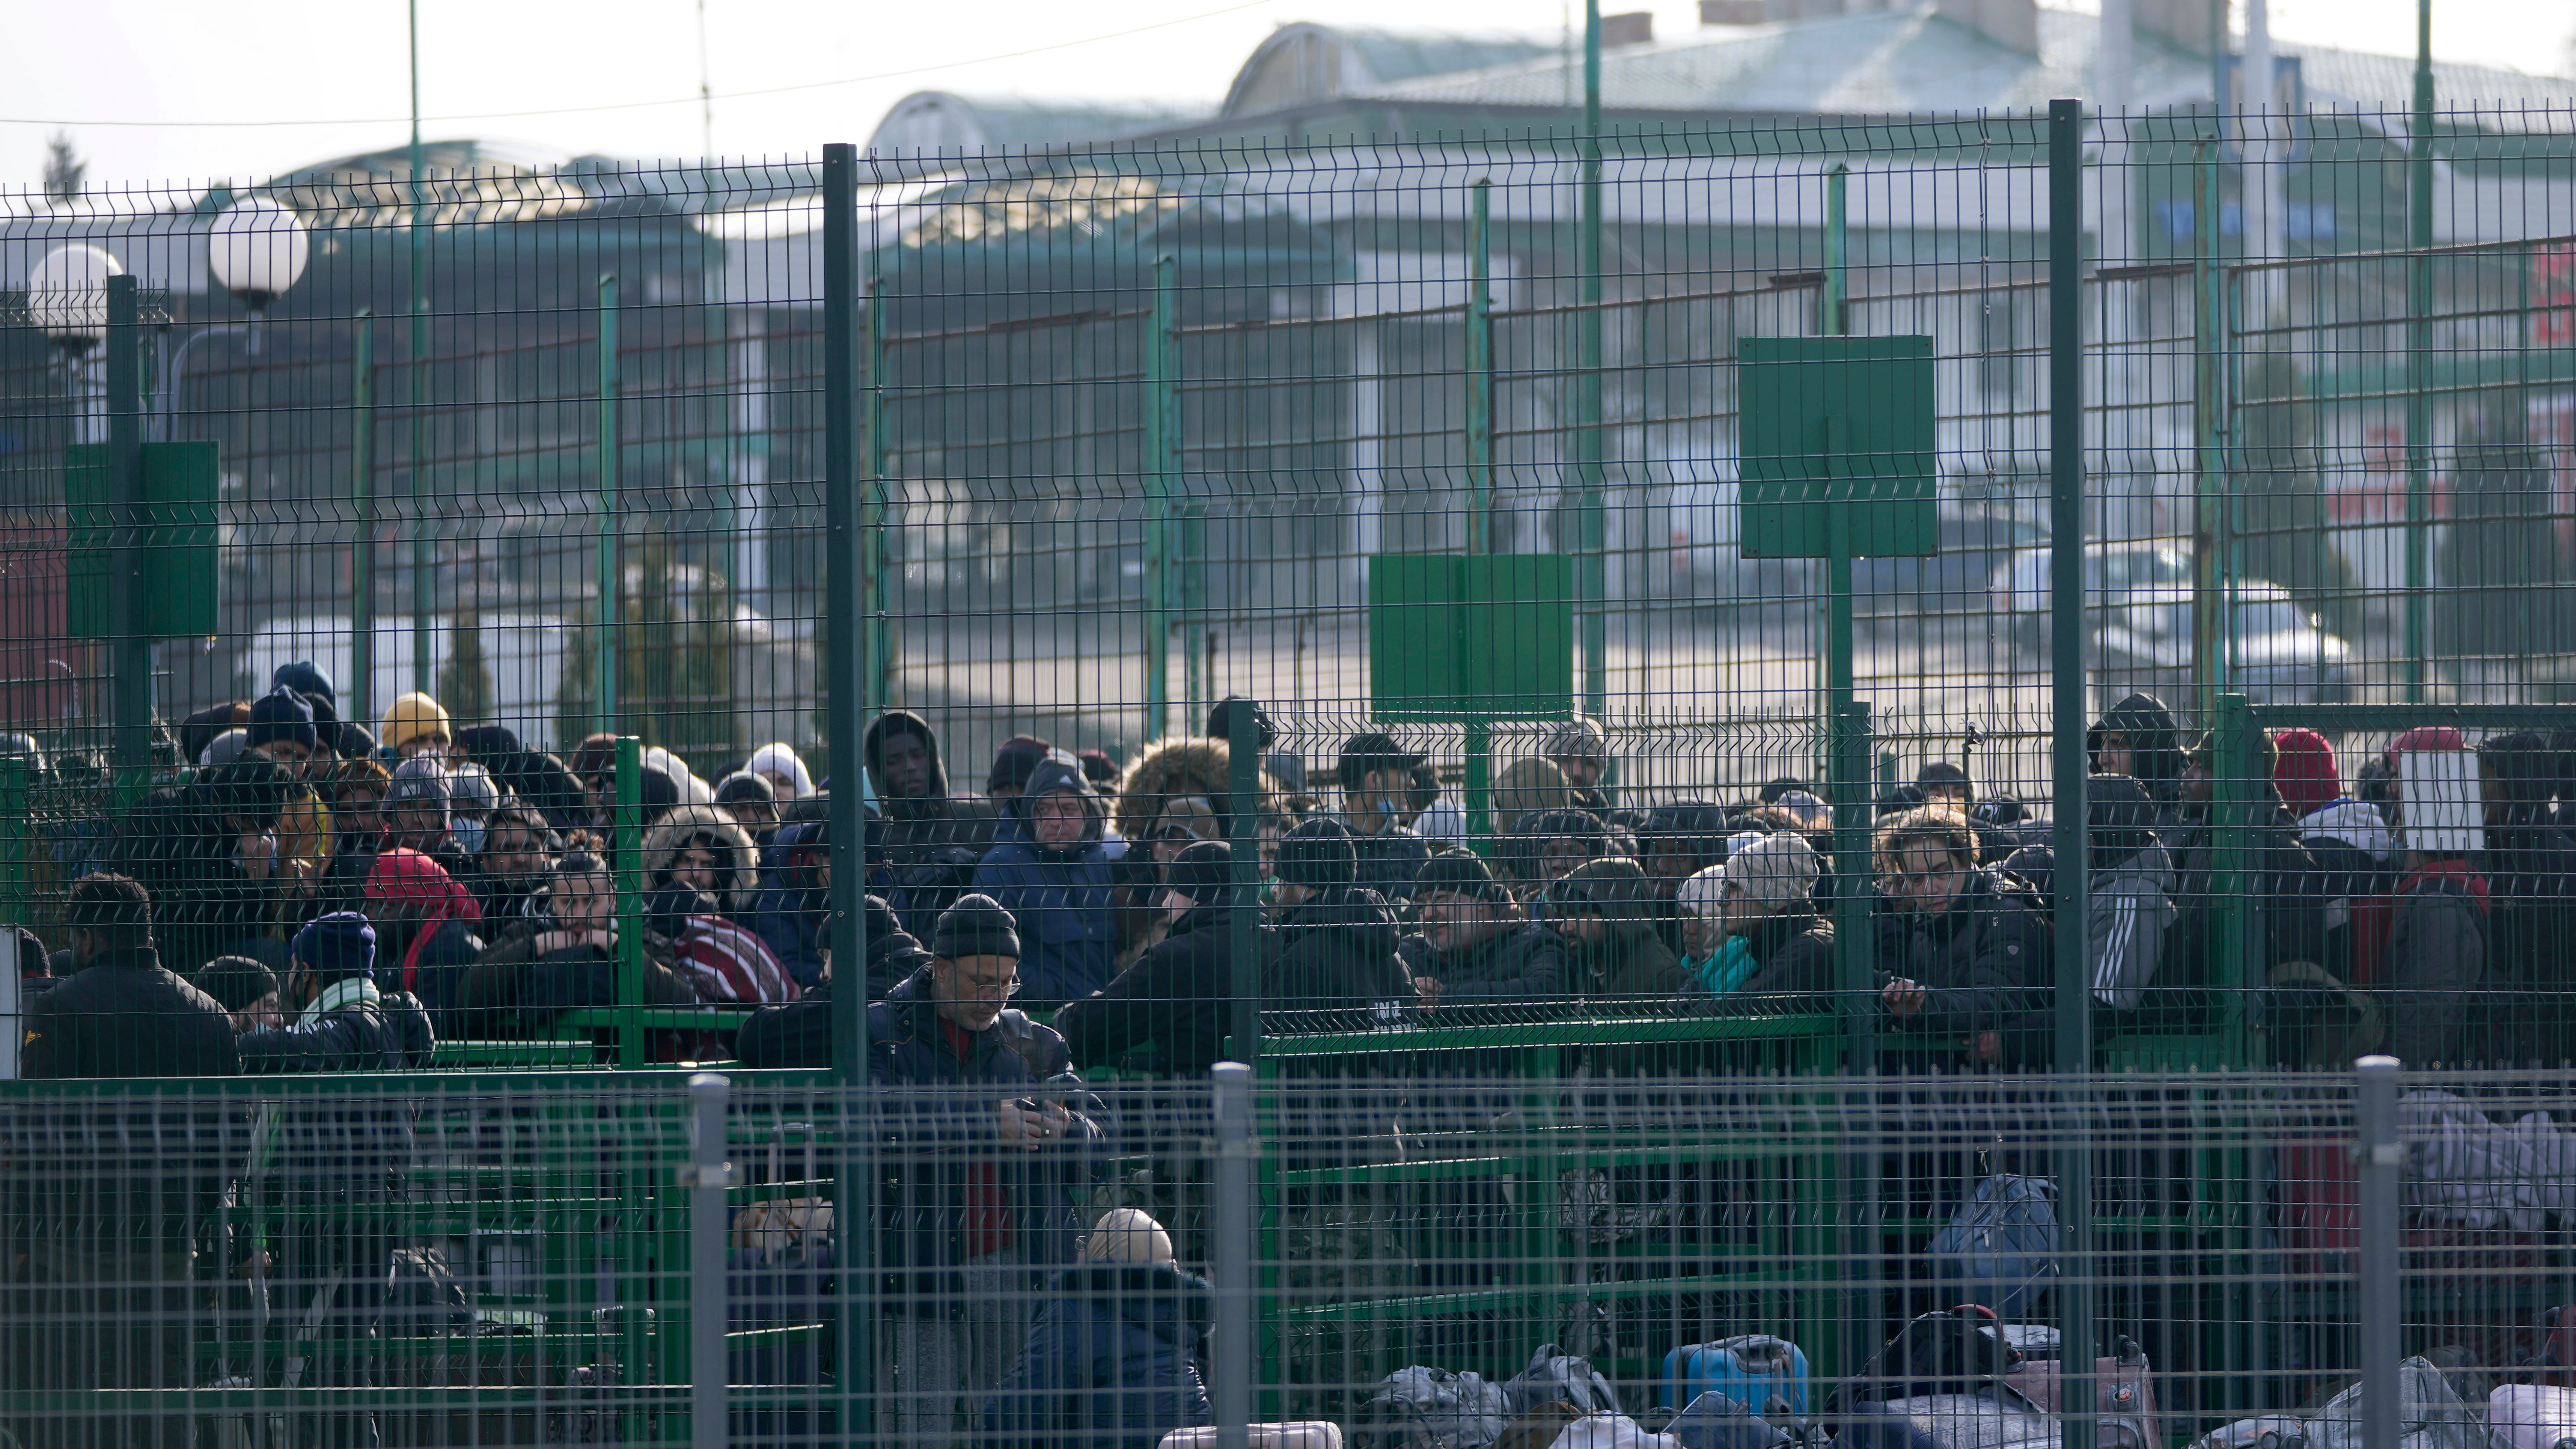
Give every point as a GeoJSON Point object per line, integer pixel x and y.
{"type": "Point", "coordinates": [1753, 1370]}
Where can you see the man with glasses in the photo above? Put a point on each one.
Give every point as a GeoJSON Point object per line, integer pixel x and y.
{"type": "Point", "coordinates": [991, 1135]}
{"type": "Point", "coordinates": [1968, 957]}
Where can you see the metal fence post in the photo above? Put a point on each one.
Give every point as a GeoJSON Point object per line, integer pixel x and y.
{"type": "Point", "coordinates": [612, 580]}
{"type": "Point", "coordinates": [1848, 787]}
{"type": "Point", "coordinates": [1243, 830]}
{"type": "Point", "coordinates": [875, 577]}
{"type": "Point", "coordinates": [1832, 298]}
{"type": "Point", "coordinates": [361, 688]}
{"type": "Point", "coordinates": [710, 1174]}
{"type": "Point", "coordinates": [2381, 1157]}
{"type": "Point", "coordinates": [1160, 481]}
{"type": "Point", "coordinates": [2069, 767]}
{"type": "Point", "coordinates": [130, 596]}
{"type": "Point", "coordinates": [626, 860]}
{"type": "Point", "coordinates": [1231, 1256]}
{"type": "Point", "coordinates": [846, 701]}
{"type": "Point", "coordinates": [1590, 563]}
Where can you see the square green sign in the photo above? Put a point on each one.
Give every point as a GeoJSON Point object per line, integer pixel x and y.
{"type": "Point", "coordinates": [1482, 637]}
{"type": "Point", "coordinates": [1837, 424]}
{"type": "Point", "coordinates": [179, 539]}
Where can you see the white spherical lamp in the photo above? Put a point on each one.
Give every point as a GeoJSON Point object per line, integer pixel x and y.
{"type": "Point", "coordinates": [67, 293]}
{"type": "Point", "coordinates": [256, 250]}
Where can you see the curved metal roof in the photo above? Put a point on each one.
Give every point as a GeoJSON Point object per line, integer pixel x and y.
{"type": "Point", "coordinates": [1306, 62]}
{"type": "Point", "coordinates": [944, 123]}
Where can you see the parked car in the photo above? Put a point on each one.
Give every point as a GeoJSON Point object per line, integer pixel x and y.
{"type": "Point", "coordinates": [2019, 591]}
{"type": "Point", "coordinates": [1953, 581]}
{"type": "Point", "coordinates": [2281, 654]}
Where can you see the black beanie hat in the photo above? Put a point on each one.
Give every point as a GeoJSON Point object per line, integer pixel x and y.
{"type": "Point", "coordinates": [282, 714]}
{"type": "Point", "coordinates": [1202, 872]}
{"type": "Point", "coordinates": [1459, 872]}
{"type": "Point", "coordinates": [1318, 854]}
{"type": "Point", "coordinates": [975, 926]}
{"type": "Point", "coordinates": [1017, 759]}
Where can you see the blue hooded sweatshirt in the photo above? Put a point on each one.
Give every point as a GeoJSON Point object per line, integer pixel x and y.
{"type": "Point", "coordinates": [1060, 898]}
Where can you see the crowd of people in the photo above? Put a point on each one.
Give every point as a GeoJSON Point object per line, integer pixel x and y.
{"type": "Point", "coordinates": [314, 896]}
{"type": "Point", "coordinates": [482, 867]}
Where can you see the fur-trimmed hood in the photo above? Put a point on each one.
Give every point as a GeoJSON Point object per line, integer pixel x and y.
{"type": "Point", "coordinates": [684, 825]}
{"type": "Point", "coordinates": [1177, 768]}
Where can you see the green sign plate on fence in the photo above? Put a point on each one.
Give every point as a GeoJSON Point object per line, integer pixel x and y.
{"type": "Point", "coordinates": [179, 539]}
{"type": "Point", "coordinates": [1837, 423]}
{"type": "Point", "coordinates": [1481, 637]}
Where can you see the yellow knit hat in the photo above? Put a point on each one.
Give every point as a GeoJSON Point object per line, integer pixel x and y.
{"type": "Point", "coordinates": [412, 716]}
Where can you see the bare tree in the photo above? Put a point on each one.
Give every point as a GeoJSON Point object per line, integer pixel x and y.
{"type": "Point", "coordinates": [65, 171]}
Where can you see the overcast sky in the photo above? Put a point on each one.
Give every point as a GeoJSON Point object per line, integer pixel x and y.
{"type": "Point", "coordinates": [329, 78]}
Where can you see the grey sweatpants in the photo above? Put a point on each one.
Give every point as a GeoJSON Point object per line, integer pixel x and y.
{"type": "Point", "coordinates": [937, 1361]}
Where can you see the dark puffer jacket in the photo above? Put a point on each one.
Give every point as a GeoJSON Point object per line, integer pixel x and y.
{"type": "Point", "coordinates": [1179, 995]}
{"type": "Point", "coordinates": [357, 1149]}
{"type": "Point", "coordinates": [1793, 970]}
{"type": "Point", "coordinates": [789, 908]}
{"type": "Point", "coordinates": [943, 1145]}
{"type": "Point", "coordinates": [1337, 952]}
{"type": "Point", "coordinates": [915, 829]}
{"type": "Point", "coordinates": [1059, 898]}
{"type": "Point", "coordinates": [1985, 964]}
{"type": "Point", "coordinates": [1109, 1363]}
{"type": "Point", "coordinates": [1523, 962]}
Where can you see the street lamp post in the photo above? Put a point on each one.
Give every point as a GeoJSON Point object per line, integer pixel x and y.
{"type": "Point", "coordinates": [67, 300]}
{"type": "Point", "coordinates": [256, 250]}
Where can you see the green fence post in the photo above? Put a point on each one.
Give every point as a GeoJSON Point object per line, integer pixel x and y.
{"type": "Point", "coordinates": [1848, 789]}
{"type": "Point", "coordinates": [628, 828]}
{"type": "Point", "coordinates": [2234, 791]}
{"type": "Point", "coordinates": [612, 581]}
{"type": "Point", "coordinates": [2419, 361]}
{"type": "Point", "coordinates": [1590, 564]}
{"type": "Point", "coordinates": [1243, 830]}
{"type": "Point", "coordinates": [876, 579]}
{"type": "Point", "coordinates": [1480, 476]}
{"type": "Point", "coordinates": [1830, 306]}
{"type": "Point", "coordinates": [1159, 483]}
{"type": "Point", "coordinates": [2209, 475]}
{"type": "Point", "coordinates": [362, 549]}
{"type": "Point", "coordinates": [848, 678]}
{"type": "Point", "coordinates": [2069, 769]}
{"type": "Point", "coordinates": [130, 595]}
{"type": "Point", "coordinates": [17, 845]}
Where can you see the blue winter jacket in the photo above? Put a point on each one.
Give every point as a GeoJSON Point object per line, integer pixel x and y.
{"type": "Point", "coordinates": [787, 911]}
{"type": "Point", "coordinates": [1109, 1363]}
{"type": "Point", "coordinates": [1060, 898]}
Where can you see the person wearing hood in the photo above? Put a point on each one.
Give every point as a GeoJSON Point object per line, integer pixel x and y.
{"type": "Point", "coordinates": [1477, 946]}
{"type": "Point", "coordinates": [1581, 748]}
{"type": "Point", "coordinates": [1604, 908]}
{"type": "Point", "coordinates": [921, 818]}
{"type": "Point", "coordinates": [427, 920]}
{"type": "Point", "coordinates": [2138, 738]}
{"type": "Point", "coordinates": [779, 764]}
{"type": "Point", "coordinates": [1760, 940]}
{"type": "Point", "coordinates": [1111, 1356]}
{"type": "Point", "coordinates": [208, 853]}
{"type": "Point", "coordinates": [795, 898]}
{"type": "Point", "coordinates": [2346, 836]}
{"type": "Point", "coordinates": [752, 800]}
{"type": "Point", "coordinates": [1054, 879]}
{"type": "Point", "coordinates": [1335, 946]}
{"type": "Point", "coordinates": [1179, 995]}
{"type": "Point", "coordinates": [703, 848]}
{"type": "Point", "coordinates": [2132, 883]}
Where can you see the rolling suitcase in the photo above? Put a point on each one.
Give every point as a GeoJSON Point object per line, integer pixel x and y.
{"type": "Point", "coordinates": [1752, 1369]}
{"type": "Point", "coordinates": [2124, 1394]}
{"type": "Point", "coordinates": [2532, 1416]}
